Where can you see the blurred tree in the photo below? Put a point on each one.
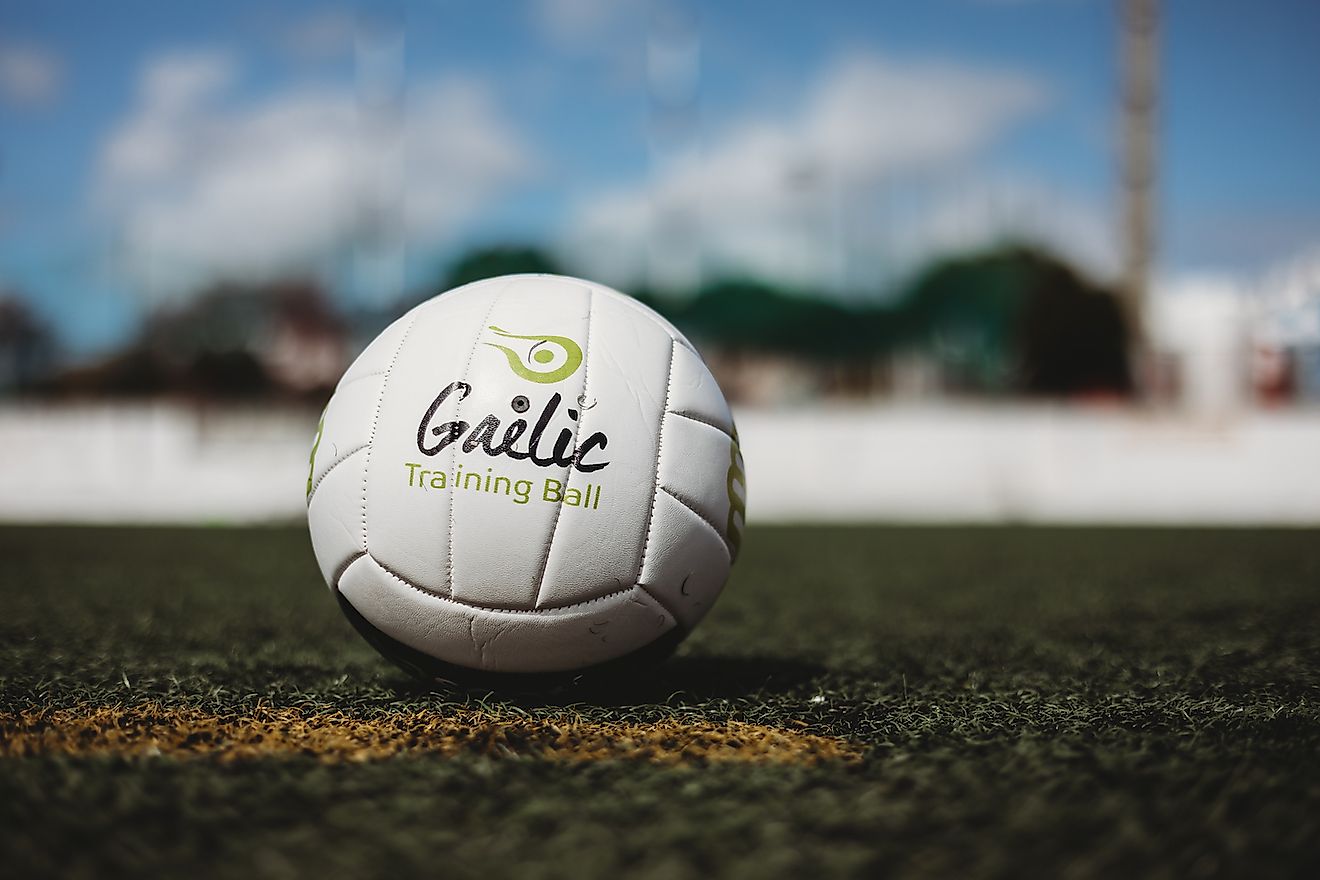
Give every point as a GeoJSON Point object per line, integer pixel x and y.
{"type": "Point", "coordinates": [500, 260]}
{"type": "Point", "coordinates": [964, 312]}
{"type": "Point", "coordinates": [228, 341]}
{"type": "Point", "coordinates": [1017, 319]}
{"type": "Point", "coordinates": [1011, 320]}
{"type": "Point", "coordinates": [27, 345]}
{"type": "Point", "coordinates": [1073, 337]}
{"type": "Point", "coordinates": [232, 373]}
{"type": "Point", "coordinates": [754, 316]}
{"type": "Point", "coordinates": [225, 317]}
{"type": "Point", "coordinates": [134, 372]}
{"type": "Point", "coordinates": [246, 340]}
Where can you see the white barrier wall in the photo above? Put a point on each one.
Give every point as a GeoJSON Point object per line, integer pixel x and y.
{"type": "Point", "coordinates": [1031, 465]}
{"type": "Point", "coordinates": [173, 463]}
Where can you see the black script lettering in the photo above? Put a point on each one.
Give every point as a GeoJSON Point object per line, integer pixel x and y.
{"type": "Point", "coordinates": [482, 437]}
{"type": "Point", "coordinates": [483, 434]}
{"type": "Point", "coordinates": [511, 435]}
{"type": "Point", "coordinates": [535, 440]}
{"type": "Point", "coordinates": [449, 431]}
{"type": "Point", "coordinates": [598, 440]}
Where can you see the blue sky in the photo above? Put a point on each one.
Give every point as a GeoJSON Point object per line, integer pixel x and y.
{"type": "Point", "coordinates": [918, 128]}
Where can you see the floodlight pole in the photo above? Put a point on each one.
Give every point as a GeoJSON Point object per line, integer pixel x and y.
{"type": "Point", "coordinates": [1139, 24]}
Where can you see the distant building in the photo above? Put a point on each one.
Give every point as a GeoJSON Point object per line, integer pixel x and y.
{"type": "Point", "coordinates": [1199, 336]}
{"type": "Point", "coordinates": [1286, 332]}
{"type": "Point", "coordinates": [1220, 344]}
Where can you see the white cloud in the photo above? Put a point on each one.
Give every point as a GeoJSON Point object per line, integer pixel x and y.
{"type": "Point", "coordinates": [773, 193]}
{"type": "Point", "coordinates": [201, 185]}
{"type": "Point", "coordinates": [872, 117]}
{"type": "Point", "coordinates": [968, 215]}
{"type": "Point", "coordinates": [29, 75]}
{"type": "Point", "coordinates": [170, 125]}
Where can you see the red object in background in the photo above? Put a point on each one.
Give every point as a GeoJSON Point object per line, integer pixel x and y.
{"type": "Point", "coordinates": [1273, 375]}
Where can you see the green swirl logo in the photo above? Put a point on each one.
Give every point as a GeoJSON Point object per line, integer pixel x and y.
{"type": "Point", "coordinates": [549, 359]}
{"type": "Point", "coordinates": [311, 459]}
{"type": "Point", "coordinates": [737, 480]}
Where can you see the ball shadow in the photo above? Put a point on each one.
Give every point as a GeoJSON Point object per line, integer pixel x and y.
{"type": "Point", "coordinates": [646, 676]}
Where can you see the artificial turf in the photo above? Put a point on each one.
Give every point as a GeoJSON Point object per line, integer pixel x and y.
{"type": "Point", "coordinates": [1026, 702]}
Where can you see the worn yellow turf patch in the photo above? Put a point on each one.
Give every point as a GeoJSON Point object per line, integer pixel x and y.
{"type": "Point", "coordinates": [146, 729]}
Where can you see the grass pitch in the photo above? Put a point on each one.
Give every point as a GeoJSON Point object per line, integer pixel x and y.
{"type": "Point", "coordinates": [917, 702]}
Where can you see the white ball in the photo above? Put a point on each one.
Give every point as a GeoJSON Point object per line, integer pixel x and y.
{"type": "Point", "coordinates": [526, 474]}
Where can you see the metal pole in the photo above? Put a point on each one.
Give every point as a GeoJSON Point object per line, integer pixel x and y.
{"type": "Point", "coordinates": [1139, 22]}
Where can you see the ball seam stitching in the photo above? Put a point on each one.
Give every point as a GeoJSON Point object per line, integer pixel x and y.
{"type": "Point", "coordinates": [375, 421]}
{"type": "Point", "coordinates": [475, 607]}
{"type": "Point", "coordinates": [701, 420]}
{"type": "Point", "coordinates": [334, 464]}
{"type": "Point", "coordinates": [344, 382]}
{"type": "Point", "coordinates": [568, 479]}
{"type": "Point", "coordinates": [453, 463]}
{"type": "Point", "coordinates": [645, 312]}
{"type": "Point", "coordinates": [659, 451]}
{"type": "Point", "coordinates": [701, 516]}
